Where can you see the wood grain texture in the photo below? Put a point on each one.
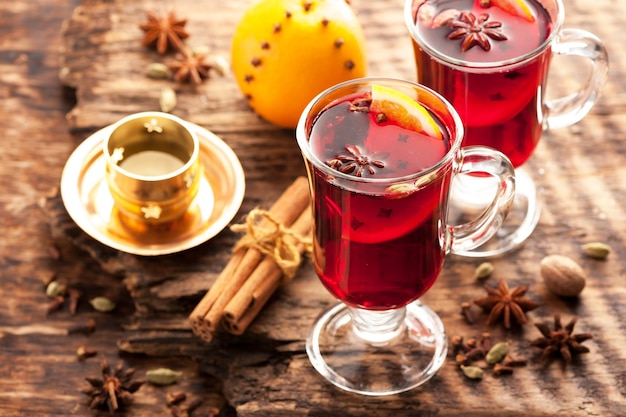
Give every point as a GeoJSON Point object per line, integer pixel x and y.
{"type": "Point", "coordinates": [265, 372]}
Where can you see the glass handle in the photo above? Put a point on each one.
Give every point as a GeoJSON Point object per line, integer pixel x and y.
{"type": "Point", "coordinates": [565, 111]}
{"type": "Point", "coordinates": [480, 160]}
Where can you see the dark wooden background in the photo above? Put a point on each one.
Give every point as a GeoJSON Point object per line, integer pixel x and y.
{"type": "Point", "coordinates": [67, 68]}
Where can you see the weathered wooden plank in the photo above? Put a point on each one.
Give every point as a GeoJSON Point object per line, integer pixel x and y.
{"type": "Point", "coordinates": [278, 358]}
{"type": "Point", "coordinates": [47, 380]}
{"type": "Point", "coordinates": [579, 171]}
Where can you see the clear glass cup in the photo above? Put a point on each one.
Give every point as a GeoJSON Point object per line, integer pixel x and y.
{"type": "Point", "coordinates": [381, 232]}
{"type": "Point", "coordinates": [499, 90]}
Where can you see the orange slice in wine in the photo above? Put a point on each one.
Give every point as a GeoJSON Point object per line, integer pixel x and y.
{"type": "Point", "coordinates": [516, 8]}
{"type": "Point", "coordinates": [401, 109]}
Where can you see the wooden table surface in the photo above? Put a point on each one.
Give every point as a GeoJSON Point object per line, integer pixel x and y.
{"type": "Point", "coordinates": [68, 68]}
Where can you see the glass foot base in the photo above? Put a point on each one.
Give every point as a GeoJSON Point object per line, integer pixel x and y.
{"type": "Point", "coordinates": [369, 364]}
{"type": "Point", "coordinates": [517, 227]}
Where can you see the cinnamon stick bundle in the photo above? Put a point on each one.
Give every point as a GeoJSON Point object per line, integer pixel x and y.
{"type": "Point", "coordinates": [250, 277]}
{"type": "Point", "coordinates": [262, 283]}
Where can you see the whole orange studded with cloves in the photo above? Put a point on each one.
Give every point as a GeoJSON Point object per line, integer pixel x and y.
{"type": "Point", "coordinates": [285, 52]}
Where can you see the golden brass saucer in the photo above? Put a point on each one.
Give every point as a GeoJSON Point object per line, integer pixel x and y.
{"type": "Point", "coordinates": [89, 203]}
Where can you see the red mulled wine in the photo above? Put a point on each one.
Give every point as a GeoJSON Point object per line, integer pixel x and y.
{"type": "Point", "coordinates": [469, 51]}
{"type": "Point", "coordinates": [377, 246]}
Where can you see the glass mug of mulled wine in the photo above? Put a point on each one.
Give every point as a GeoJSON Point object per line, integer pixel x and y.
{"type": "Point", "coordinates": [153, 168]}
{"type": "Point", "coordinates": [380, 155]}
{"type": "Point", "coordinates": [490, 59]}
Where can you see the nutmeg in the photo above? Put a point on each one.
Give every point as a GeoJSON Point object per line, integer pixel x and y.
{"type": "Point", "coordinates": [562, 275]}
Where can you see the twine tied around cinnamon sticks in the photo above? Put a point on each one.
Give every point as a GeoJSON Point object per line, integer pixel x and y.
{"type": "Point", "coordinates": [279, 242]}
{"type": "Point", "coordinates": [262, 260]}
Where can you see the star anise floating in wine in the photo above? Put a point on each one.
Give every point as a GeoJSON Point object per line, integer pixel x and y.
{"type": "Point", "coordinates": [475, 30]}
{"type": "Point", "coordinates": [560, 341]}
{"type": "Point", "coordinates": [114, 389]}
{"type": "Point", "coordinates": [164, 32]}
{"type": "Point", "coordinates": [355, 162]}
{"type": "Point", "coordinates": [506, 303]}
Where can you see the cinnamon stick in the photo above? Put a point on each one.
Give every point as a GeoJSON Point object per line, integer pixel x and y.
{"type": "Point", "coordinates": [207, 315]}
{"type": "Point", "coordinates": [196, 318]}
{"type": "Point", "coordinates": [261, 284]}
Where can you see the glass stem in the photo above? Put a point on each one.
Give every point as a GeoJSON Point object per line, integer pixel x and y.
{"type": "Point", "coordinates": [377, 327]}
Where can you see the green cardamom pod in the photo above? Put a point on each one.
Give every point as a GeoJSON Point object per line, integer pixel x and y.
{"type": "Point", "coordinates": [54, 289]}
{"type": "Point", "coordinates": [483, 271]}
{"type": "Point", "coordinates": [157, 70]}
{"type": "Point", "coordinates": [472, 372]}
{"type": "Point", "coordinates": [597, 250]}
{"type": "Point", "coordinates": [497, 353]}
{"type": "Point", "coordinates": [220, 65]}
{"type": "Point", "coordinates": [168, 100]}
{"type": "Point", "coordinates": [102, 304]}
{"type": "Point", "coordinates": [162, 376]}
{"type": "Point", "coordinates": [399, 189]}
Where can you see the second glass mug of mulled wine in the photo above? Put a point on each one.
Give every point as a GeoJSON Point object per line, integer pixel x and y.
{"type": "Point", "coordinates": [380, 155]}
{"type": "Point", "coordinates": [490, 59]}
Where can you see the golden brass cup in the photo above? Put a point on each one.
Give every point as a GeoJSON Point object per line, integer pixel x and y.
{"type": "Point", "coordinates": [153, 167]}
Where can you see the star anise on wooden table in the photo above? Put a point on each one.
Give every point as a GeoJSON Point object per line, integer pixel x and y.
{"type": "Point", "coordinates": [164, 32]}
{"type": "Point", "coordinates": [355, 161]}
{"type": "Point", "coordinates": [506, 303]}
{"type": "Point", "coordinates": [560, 341]}
{"type": "Point", "coordinates": [190, 67]}
{"type": "Point", "coordinates": [114, 389]}
{"type": "Point", "coordinates": [475, 30]}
